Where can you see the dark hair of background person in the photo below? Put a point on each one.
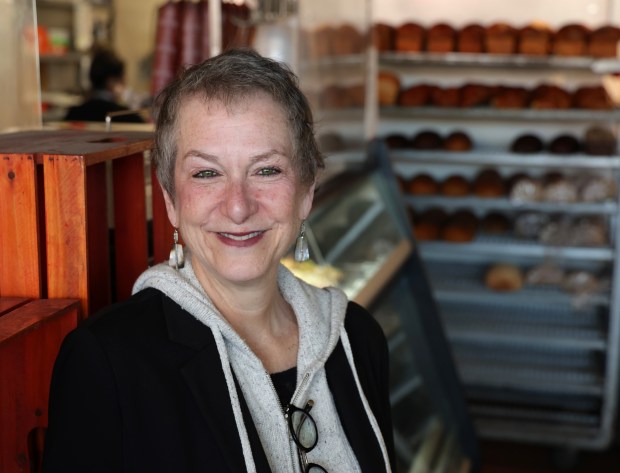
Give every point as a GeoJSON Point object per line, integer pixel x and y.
{"type": "Point", "coordinates": [107, 78]}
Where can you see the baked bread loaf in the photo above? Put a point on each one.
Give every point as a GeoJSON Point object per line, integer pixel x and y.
{"type": "Point", "coordinates": [455, 186]}
{"type": "Point", "coordinates": [599, 141]}
{"type": "Point", "coordinates": [418, 95]}
{"type": "Point", "coordinates": [446, 96]}
{"type": "Point", "coordinates": [440, 38]}
{"type": "Point", "coordinates": [530, 225]}
{"type": "Point", "coordinates": [564, 144]}
{"type": "Point", "coordinates": [320, 41]}
{"type": "Point", "coordinates": [510, 97]}
{"type": "Point", "coordinates": [427, 225]}
{"type": "Point", "coordinates": [527, 143]}
{"type": "Point", "coordinates": [534, 39]}
{"type": "Point", "coordinates": [397, 141]}
{"type": "Point", "coordinates": [470, 39]}
{"type": "Point", "coordinates": [501, 38]}
{"type": "Point", "coordinates": [475, 95]}
{"type": "Point", "coordinates": [495, 223]}
{"type": "Point", "coordinates": [604, 42]}
{"type": "Point", "coordinates": [427, 140]}
{"type": "Point", "coordinates": [334, 96]}
{"type": "Point", "coordinates": [525, 189]}
{"type": "Point", "coordinates": [597, 188]}
{"type": "Point", "coordinates": [422, 184]}
{"type": "Point", "coordinates": [383, 36]}
{"type": "Point", "coordinates": [388, 85]}
{"type": "Point", "coordinates": [410, 37]}
{"type": "Point", "coordinates": [457, 141]}
{"type": "Point", "coordinates": [347, 39]}
{"type": "Point", "coordinates": [488, 183]}
{"type": "Point", "coordinates": [545, 274]}
{"type": "Point", "coordinates": [548, 96]}
{"type": "Point", "coordinates": [588, 231]}
{"type": "Point", "coordinates": [504, 277]}
{"type": "Point", "coordinates": [460, 227]}
{"type": "Point", "coordinates": [570, 40]}
{"type": "Point", "coordinates": [558, 189]}
{"type": "Point", "coordinates": [593, 97]}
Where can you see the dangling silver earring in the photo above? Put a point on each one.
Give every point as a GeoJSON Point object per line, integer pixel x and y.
{"type": "Point", "coordinates": [177, 258]}
{"type": "Point", "coordinates": [302, 253]}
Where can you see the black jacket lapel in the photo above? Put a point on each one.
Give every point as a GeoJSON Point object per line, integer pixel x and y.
{"type": "Point", "coordinates": [353, 417]}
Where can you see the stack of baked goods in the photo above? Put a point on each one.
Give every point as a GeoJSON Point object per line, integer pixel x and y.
{"type": "Point", "coordinates": [536, 39]}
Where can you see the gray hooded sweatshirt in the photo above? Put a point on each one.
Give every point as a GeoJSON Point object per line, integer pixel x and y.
{"type": "Point", "coordinates": [320, 316]}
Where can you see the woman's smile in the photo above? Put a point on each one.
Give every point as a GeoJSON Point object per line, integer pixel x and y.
{"type": "Point", "coordinates": [240, 239]}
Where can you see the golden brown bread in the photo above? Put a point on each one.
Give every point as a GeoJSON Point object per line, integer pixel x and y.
{"type": "Point", "coordinates": [382, 36]}
{"type": "Point", "coordinates": [457, 141]}
{"type": "Point", "coordinates": [410, 37]}
{"type": "Point", "coordinates": [570, 40]}
{"type": "Point", "coordinates": [422, 184]}
{"type": "Point", "coordinates": [549, 97]}
{"type": "Point", "coordinates": [593, 97]}
{"type": "Point", "coordinates": [604, 41]}
{"type": "Point", "coordinates": [417, 95]}
{"type": "Point", "coordinates": [504, 278]}
{"type": "Point", "coordinates": [470, 38]}
{"type": "Point", "coordinates": [535, 39]}
{"type": "Point", "coordinates": [445, 96]}
{"type": "Point", "coordinates": [455, 186]}
{"type": "Point", "coordinates": [388, 88]}
{"type": "Point", "coordinates": [501, 38]}
{"type": "Point", "coordinates": [440, 38]}
{"type": "Point", "coordinates": [460, 227]}
{"type": "Point", "coordinates": [347, 39]}
{"type": "Point", "coordinates": [488, 183]}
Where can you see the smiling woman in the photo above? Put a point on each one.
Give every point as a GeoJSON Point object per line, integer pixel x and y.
{"type": "Point", "coordinates": [199, 368]}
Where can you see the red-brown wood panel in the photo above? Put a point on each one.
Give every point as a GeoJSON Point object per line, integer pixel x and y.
{"type": "Point", "coordinates": [7, 304]}
{"type": "Point", "coordinates": [30, 337]}
{"type": "Point", "coordinates": [20, 254]}
{"type": "Point", "coordinates": [66, 228]}
{"type": "Point", "coordinates": [99, 271]}
{"type": "Point", "coordinates": [131, 248]}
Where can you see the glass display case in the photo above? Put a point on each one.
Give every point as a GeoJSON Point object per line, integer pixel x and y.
{"type": "Point", "coordinates": [360, 240]}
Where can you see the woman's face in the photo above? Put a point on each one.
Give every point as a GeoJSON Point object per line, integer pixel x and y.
{"type": "Point", "coordinates": [238, 202]}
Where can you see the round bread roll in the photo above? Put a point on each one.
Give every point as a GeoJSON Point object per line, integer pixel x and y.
{"type": "Point", "coordinates": [530, 224]}
{"type": "Point", "coordinates": [417, 95]}
{"type": "Point", "coordinates": [457, 141]}
{"type": "Point", "coordinates": [550, 97]}
{"type": "Point", "coordinates": [422, 184]}
{"type": "Point", "coordinates": [564, 144]}
{"type": "Point", "coordinates": [397, 141]}
{"type": "Point", "coordinates": [592, 97]}
{"type": "Point", "coordinates": [445, 96]}
{"type": "Point", "coordinates": [525, 189]}
{"type": "Point", "coordinates": [504, 277]}
{"type": "Point", "coordinates": [488, 183]}
{"type": "Point", "coordinates": [476, 95]}
{"type": "Point", "coordinates": [495, 223]}
{"type": "Point", "coordinates": [527, 144]}
{"type": "Point", "coordinates": [427, 140]}
{"type": "Point", "coordinates": [580, 282]}
{"type": "Point", "coordinates": [545, 274]}
{"type": "Point", "coordinates": [460, 227]}
{"type": "Point", "coordinates": [427, 225]}
{"type": "Point", "coordinates": [510, 97]}
{"type": "Point", "coordinates": [559, 189]}
{"type": "Point", "coordinates": [599, 141]}
{"type": "Point", "coordinates": [455, 186]}
{"type": "Point", "coordinates": [597, 188]}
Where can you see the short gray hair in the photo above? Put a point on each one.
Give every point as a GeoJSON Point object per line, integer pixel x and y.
{"type": "Point", "coordinates": [230, 77]}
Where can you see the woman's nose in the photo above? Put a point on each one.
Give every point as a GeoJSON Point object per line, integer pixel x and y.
{"type": "Point", "coordinates": [239, 203]}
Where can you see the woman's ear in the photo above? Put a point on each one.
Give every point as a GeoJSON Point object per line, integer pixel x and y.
{"type": "Point", "coordinates": [306, 203]}
{"type": "Point", "coordinates": [170, 208]}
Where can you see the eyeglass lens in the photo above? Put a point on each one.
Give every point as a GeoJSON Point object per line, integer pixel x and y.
{"type": "Point", "coordinates": [305, 429]}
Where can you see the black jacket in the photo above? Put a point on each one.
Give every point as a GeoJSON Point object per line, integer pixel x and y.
{"type": "Point", "coordinates": [139, 387]}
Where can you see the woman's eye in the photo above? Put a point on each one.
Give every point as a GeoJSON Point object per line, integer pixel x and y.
{"type": "Point", "coordinates": [205, 173]}
{"type": "Point", "coordinates": [268, 171]}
